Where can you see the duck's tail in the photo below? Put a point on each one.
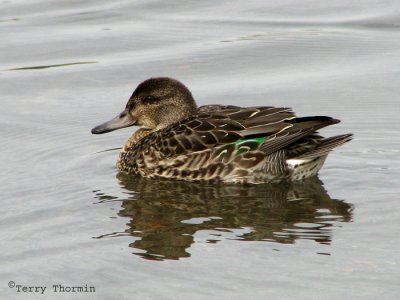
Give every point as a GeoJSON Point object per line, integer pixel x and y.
{"type": "Point", "coordinates": [326, 145]}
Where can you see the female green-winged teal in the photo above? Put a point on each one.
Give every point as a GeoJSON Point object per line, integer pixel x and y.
{"type": "Point", "coordinates": [217, 143]}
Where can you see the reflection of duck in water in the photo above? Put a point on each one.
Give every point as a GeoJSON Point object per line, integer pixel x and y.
{"type": "Point", "coordinates": [166, 214]}
{"type": "Point", "coordinates": [217, 143]}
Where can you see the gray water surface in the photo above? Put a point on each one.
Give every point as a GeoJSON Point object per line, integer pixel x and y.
{"type": "Point", "coordinates": [69, 218]}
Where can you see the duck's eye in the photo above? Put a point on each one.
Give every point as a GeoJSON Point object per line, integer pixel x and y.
{"type": "Point", "coordinates": [150, 99]}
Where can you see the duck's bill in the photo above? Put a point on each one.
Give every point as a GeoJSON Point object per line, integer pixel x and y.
{"type": "Point", "coordinates": [123, 120]}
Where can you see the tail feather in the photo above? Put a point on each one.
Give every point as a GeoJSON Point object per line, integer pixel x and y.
{"type": "Point", "coordinates": [327, 145]}
{"type": "Point", "coordinates": [296, 129]}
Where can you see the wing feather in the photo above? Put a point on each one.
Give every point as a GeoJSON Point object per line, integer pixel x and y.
{"type": "Point", "coordinates": [217, 125]}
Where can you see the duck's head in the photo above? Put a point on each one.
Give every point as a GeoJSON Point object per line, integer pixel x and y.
{"type": "Point", "coordinates": [156, 103]}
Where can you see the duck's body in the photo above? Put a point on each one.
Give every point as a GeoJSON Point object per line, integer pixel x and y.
{"type": "Point", "coordinates": [217, 143]}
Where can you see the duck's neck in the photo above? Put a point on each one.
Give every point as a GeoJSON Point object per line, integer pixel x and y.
{"type": "Point", "coordinates": [135, 137]}
{"type": "Point", "coordinates": [125, 162]}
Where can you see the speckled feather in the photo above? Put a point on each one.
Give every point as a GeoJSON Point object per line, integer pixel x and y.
{"type": "Point", "coordinates": [217, 143]}
{"type": "Point", "coordinates": [205, 146]}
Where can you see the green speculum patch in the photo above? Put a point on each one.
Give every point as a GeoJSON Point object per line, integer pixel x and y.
{"type": "Point", "coordinates": [247, 145]}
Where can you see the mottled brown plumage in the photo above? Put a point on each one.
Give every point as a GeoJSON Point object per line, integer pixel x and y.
{"type": "Point", "coordinates": [217, 143]}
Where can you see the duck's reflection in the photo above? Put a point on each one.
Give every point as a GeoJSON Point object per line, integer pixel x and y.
{"type": "Point", "coordinates": [165, 215]}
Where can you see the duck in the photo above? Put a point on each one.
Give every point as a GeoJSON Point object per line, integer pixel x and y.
{"type": "Point", "coordinates": [215, 143]}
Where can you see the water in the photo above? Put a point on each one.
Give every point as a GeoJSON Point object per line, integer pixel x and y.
{"type": "Point", "coordinates": [68, 218]}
